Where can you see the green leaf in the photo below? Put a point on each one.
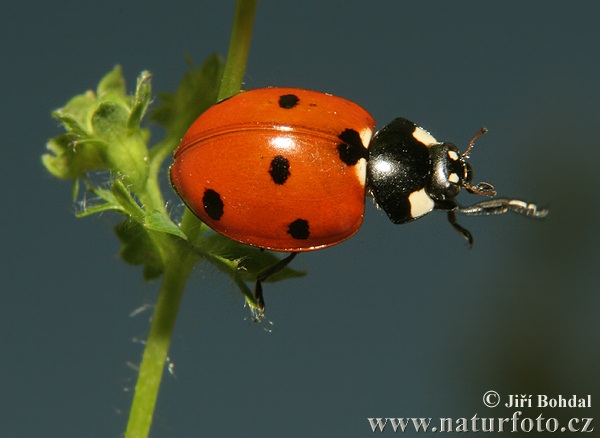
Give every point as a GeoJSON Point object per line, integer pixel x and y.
{"type": "Point", "coordinates": [249, 260]}
{"type": "Point", "coordinates": [109, 121]}
{"type": "Point", "coordinates": [196, 93]}
{"type": "Point", "coordinates": [76, 113]}
{"type": "Point", "coordinates": [110, 203]}
{"type": "Point", "coordinates": [112, 82]}
{"type": "Point", "coordinates": [126, 200]}
{"type": "Point", "coordinates": [71, 123]}
{"type": "Point", "coordinates": [126, 151]}
{"type": "Point", "coordinates": [71, 158]}
{"type": "Point", "coordinates": [139, 249]}
{"type": "Point", "coordinates": [98, 208]}
{"type": "Point", "coordinates": [108, 195]}
{"type": "Point", "coordinates": [103, 132]}
{"type": "Point", "coordinates": [158, 221]}
{"type": "Point", "coordinates": [141, 100]}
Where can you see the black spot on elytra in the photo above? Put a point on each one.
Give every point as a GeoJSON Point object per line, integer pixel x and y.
{"type": "Point", "coordinates": [280, 169]}
{"type": "Point", "coordinates": [288, 101]}
{"type": "Point", "coordinates": [299, 229]}
{"type": "Point", "coordinates": [213, 204]}
{"type": "Point", "coordinates": [352, 149]}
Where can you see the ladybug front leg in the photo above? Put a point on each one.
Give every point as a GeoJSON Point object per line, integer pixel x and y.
{"type": "Point", "coordinates": [490, 207]}
{"type": "Point", "coordinates": [264, 275]}
{"type": "Point", "coordinates": [500, 206]}
{"type": "Point", "coordinates": [458, 227]}
{"type": "Point", "coordinates": [450, 207]}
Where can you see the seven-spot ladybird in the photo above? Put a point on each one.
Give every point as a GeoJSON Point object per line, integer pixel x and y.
{"type": "Point", "coordinates": [287, 169]}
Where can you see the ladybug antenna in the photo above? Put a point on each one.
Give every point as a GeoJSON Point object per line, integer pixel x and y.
{"type": "Point", "coordinates": [478, 134]}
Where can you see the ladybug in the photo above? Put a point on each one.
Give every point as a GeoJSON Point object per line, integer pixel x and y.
{"type": "Point", "coordinates": [287, 169]}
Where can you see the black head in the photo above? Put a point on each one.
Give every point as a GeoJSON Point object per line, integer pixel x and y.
{"type": "Point", "coordinates": [450, 172]}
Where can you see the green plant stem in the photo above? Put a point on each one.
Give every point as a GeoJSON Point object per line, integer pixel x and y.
{"type": "Point", "coordinates": [157, 345]}
{"type": "Point", "coordinates": [193, 227]}
{"type": "Point", "coordinates": [239, 47]}
{"type": "Point", "coordinates": [178, 258]}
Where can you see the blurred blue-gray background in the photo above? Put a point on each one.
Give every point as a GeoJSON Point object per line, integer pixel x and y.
{"type": "Point", "coordinates": [400, 321]}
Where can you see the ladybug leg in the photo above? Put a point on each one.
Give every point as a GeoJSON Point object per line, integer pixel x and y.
{"type": "Point", "coordinates": [500, 206]}
{"type": "Point", "coordinates": [458, 227]}
{"type": "Point", "coordinates": [490, 207]}
{"type": "Point", "coordinates": [266, 273]}
{"type": "Point", "coordinates": [451, 207]}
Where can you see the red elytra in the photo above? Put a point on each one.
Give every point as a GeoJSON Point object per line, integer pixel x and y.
{"type": "Point", "coordinates": [278, 168]}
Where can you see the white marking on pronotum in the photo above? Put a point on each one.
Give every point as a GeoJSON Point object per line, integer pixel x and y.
{"type": "Point", "coordinates": [453, 155]}
{"type": "Point", "coordinates": [365, 136]}
{"type": "Point", "coordinates": [423, 136]}
{"type": "Point", "coordinates": [453, 178]}
{"type": "Point", "coordinates": [420, 203]}
{"type": "Point", "coordinates": [361, 171]}
{"type": "Point", "coordinates": [361, 166]}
